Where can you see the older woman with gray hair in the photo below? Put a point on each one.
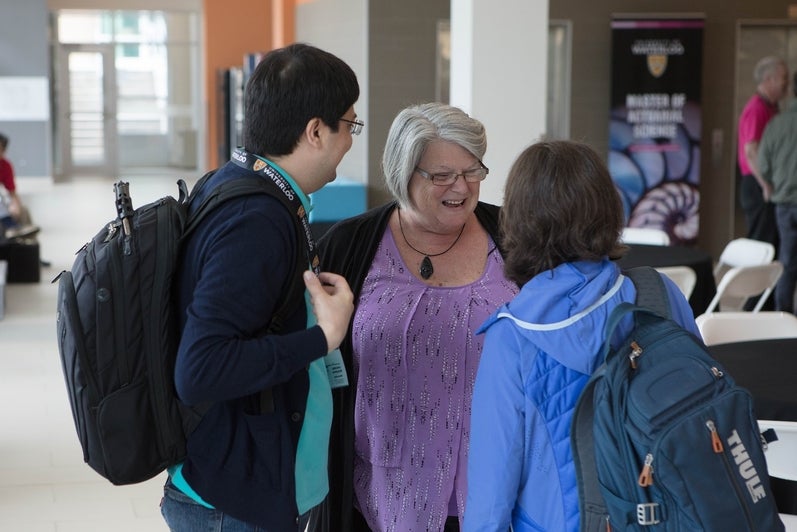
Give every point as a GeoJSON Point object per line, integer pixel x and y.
{"type": "Point", "coordinates": [426, 270]}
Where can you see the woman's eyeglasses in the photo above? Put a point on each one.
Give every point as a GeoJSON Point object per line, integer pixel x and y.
{"type": "Point", "coordinates": [449, 178]}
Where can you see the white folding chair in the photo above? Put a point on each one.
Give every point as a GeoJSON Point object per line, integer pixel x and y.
{"type": "Point", "coordinates": [726, 327]}
{"type": "Point", "coordinates": [744, 282]}
{"type": "Point", "coordinates": [645, 235]}
{"type": "Point", "coordinates": [743, 252]}
{"type": "Point", "coordinates": [683, 276]}
{"type": "Point", "coordinates": [789, 522]}
{"type": "Point", "coordinates": [780, 453]}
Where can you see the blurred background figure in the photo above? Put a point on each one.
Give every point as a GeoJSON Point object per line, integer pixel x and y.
{"type": "Point", "coordinates": [777, 162]}
{"type": "Point", "coordinates": [14, 217]}
{"type": "Point", "coordinates": [771, 76]}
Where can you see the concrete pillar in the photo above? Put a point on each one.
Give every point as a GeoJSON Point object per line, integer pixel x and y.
{"type": "Point", "coordinates": [499, 51]}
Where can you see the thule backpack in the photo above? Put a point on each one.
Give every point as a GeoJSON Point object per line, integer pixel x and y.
{"type": "Point", "coordinates": [662, 437]}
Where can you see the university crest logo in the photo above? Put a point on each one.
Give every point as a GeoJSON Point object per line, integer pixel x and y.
{"type": "Point", "coordinates": [657, 64]}
{"type": "Point", "coordinates": [259, 165]}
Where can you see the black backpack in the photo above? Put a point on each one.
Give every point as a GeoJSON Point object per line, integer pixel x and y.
{"type": "Point", "coordinates": [118, 332]}
{"type": "Point", "coordinates": [662, 437]}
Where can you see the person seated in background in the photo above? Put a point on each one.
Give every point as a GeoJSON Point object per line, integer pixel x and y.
{"type": "Point", "coordinates": [561, 224]}
{"type": "Point", "coordinates": [14, 217]}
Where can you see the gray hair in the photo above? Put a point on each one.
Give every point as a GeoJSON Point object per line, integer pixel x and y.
{"type": "Point", "coordinates": [412, 131]}
{"type": "Point", "coordinates": [766, 66]}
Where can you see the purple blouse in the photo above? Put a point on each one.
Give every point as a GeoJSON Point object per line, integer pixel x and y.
{"type": "Point", "coordinates": [416, 356]}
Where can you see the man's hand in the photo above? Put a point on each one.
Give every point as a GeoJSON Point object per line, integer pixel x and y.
{"type": "Point", "coordinates": [333, 304]}
{"type": "Point", "coordinates": [751, 152]}
{"type": "Point", "coordinates": [766, 191]}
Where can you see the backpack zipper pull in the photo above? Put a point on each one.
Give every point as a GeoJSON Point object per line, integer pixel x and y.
{"type": "Point", "coordinates": [635, 352]}
{"type": "Point", "coordinates": [718, 374]}
{"type": "Point", "coordinates": [608, 525]}
{"type": "Point", "coordinates": [646, 476]}
{"type": "Point", "coordinates": [716, 442]}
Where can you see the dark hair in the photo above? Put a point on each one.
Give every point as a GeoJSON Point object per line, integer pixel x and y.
{"type": "Point", "coordinates": [560, 205]}
{"type": "Point", "coordinates": [288, 88]}
{"type": "Point", "coordinates": [3, 141]}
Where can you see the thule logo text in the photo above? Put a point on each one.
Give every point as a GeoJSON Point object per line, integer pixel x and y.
{"type": "Point", "coordinates": [746, 468]}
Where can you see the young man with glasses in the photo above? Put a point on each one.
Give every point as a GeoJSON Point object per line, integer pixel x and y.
{"type": "Point", "coordinates": [258, 458]}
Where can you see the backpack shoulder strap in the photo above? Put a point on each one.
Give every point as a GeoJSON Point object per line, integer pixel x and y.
{"type": "Point", "coordinates": [651, 294]}
{"type": "Point", "coordinates": [650, 290]}
{"type": "Point", "coordinates": [246, 186]}
{"type": "Point", "coordinates": [592, 508]}
{"type": "Point", "coordinates": [294, 296]}
{"type": "Point", "coordinates": [228, 190]}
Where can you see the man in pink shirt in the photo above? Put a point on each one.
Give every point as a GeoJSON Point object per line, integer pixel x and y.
{"type": "Point", "coordinates": [771, 76]}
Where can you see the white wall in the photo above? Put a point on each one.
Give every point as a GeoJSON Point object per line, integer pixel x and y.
{"type": "Point", "coordinates": [499, 58]}
{"type": "Point", "coordinates": [24, 67]}
{"type": "Point", "coordinates": [341, 27]}
{"type": "Point", "coordinates": [498, 71]}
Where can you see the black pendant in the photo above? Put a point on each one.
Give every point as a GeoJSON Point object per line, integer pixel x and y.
{"type": "Point", "coordinates": [426, 270]}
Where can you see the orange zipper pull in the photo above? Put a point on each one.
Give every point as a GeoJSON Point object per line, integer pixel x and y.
{"type": "Point", "coordinates": [646, 476]}
{"type": "Point", "coordinates": [635, 352]}
{"type": "Point", "coordinates": [608, 525]}
{"type": "Point", "coordinates": [716, 442]}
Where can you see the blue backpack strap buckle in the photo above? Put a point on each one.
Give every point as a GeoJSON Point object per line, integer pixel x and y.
{"type": "Point", "coordinates": [648, 513]}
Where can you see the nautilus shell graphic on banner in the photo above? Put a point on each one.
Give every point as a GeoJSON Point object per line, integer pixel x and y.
{"type": "Point", "coordinates": [655, 124]}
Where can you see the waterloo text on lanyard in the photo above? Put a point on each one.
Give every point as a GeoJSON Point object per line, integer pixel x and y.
{"type": "Point", "coordinates": [257, 165]}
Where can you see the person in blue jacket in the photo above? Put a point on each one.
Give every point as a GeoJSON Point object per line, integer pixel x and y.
{"type": "Point", "coordinates": [257, 461]}
{"type": "Point", "coordinates": [561, 220]}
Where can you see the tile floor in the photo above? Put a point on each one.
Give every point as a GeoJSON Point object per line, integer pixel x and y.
{"type": "Point", "coordinates": [44, 484]}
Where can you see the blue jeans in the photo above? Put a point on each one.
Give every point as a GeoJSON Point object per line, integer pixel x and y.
{"type": "Point", "coordinates": [183, 514]}
{"type": "Point", "coordinates": [786, 215]}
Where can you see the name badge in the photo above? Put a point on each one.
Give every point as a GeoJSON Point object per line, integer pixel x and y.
{"type": "Point", "coordinates": [336, 369]}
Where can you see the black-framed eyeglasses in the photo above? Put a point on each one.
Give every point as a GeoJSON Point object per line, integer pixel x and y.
{"type": "Point", "coordinates": [355, 126]}
{"type": "Point", "coordinates": [444, 179]}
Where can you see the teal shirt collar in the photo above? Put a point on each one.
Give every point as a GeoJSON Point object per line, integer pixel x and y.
{"type": "Point", "coordinates": [299, 192]}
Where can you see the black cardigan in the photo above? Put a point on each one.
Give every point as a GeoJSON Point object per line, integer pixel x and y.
{"type": "Point", "coordinates": [348, 248]}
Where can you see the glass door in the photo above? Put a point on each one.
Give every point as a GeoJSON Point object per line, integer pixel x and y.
{"type": "Point", "coordinates": [87, 103]}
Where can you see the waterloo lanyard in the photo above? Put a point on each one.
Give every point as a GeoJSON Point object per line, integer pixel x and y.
{"type": "Point", "coordinates": [290, 197]}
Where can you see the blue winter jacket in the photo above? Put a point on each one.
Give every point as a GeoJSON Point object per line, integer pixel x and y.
{"type": "Point", "coordinates": [538, 354]}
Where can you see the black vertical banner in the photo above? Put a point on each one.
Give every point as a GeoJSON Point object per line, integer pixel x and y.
{"type": "Point", "coordinates": [655, 122]}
